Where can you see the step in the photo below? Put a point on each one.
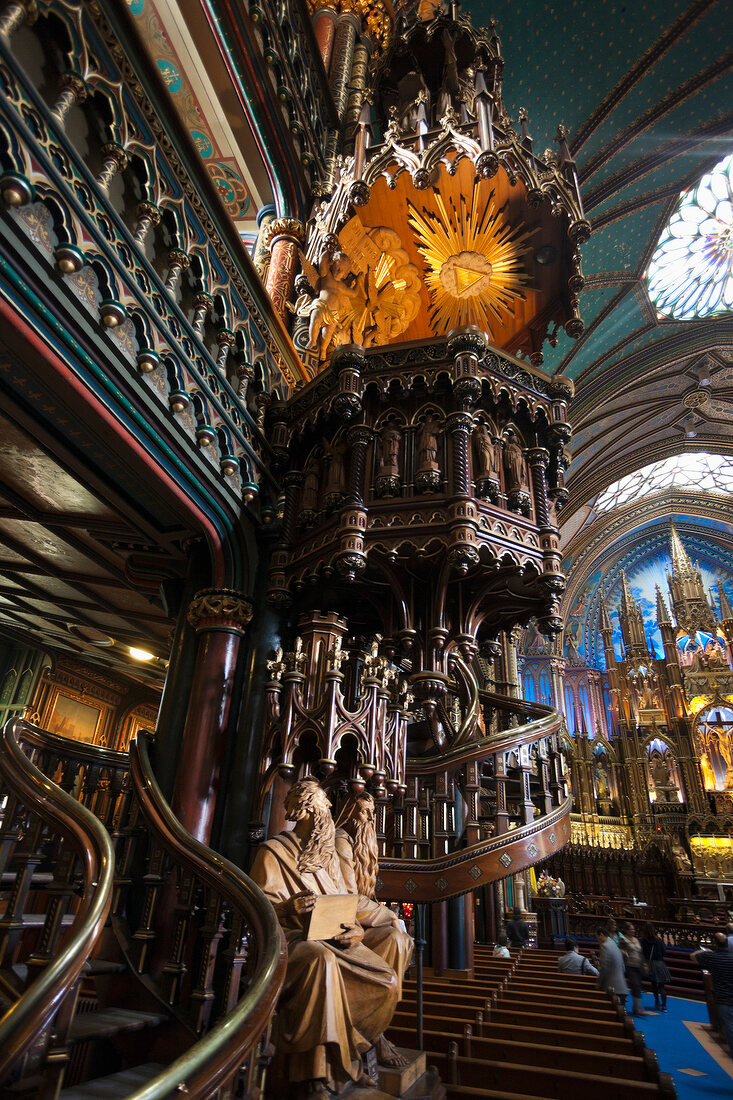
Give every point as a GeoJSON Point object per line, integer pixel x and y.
{"type": "Point", "coordinates": [545, 1082]}
{"type": "Point", "coordinates": [94, 968]}
{"type": "Point", "coordinates": [567, 1036]}
{"type": "Point", "coordinates": [114, 1087]}
{"type": "Point", "coordinates": [530, 1053]}
{"type": "Point", "coordinates": [111, 1021]}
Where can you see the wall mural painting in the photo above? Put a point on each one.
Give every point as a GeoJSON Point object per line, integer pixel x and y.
{"type": "Point", "coordinates": [73, 719]}
{"type": "Point", "coordinates": [223, 170]}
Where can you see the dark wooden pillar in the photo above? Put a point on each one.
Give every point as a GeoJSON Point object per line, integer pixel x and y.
{"type": "Point", "coordinates": [219, 617]}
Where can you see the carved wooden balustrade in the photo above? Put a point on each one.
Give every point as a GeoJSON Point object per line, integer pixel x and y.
{"type": "Point", "coordinates": [108, 199]}
{"type": "Point", "coordinates": [200, 943]}
{"type": "Point", "coordinates": [486, 799]}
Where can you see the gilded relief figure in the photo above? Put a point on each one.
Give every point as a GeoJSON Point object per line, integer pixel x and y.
{"type": "Point", "coordinates": [336, 291]}
{"type": "Point", "coordinates": [708, 776]}
{"type": "Point", "coordinates": [339, 995]}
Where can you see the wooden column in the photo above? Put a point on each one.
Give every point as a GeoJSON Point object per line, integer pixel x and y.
{"type": "Point", "coordinates": [219, 617]}
{"type": "Point", "coordinates": [324, 27]}
{"type": "Point", "coordinates": [283, 237]}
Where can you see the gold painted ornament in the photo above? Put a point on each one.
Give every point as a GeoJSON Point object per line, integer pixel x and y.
{"type": "Point", "coordinates": [474, 269]}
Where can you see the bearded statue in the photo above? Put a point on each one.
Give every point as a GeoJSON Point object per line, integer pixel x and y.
{"type": "Point", "coordinates": [339, 995]}
{"type": "Point", "coordinates": [355, 825]}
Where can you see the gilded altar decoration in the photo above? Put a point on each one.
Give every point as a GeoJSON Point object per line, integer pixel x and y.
{"type": "Point", "coordinates": [473, 259]}
{"type": "Point", "coordinates": [364, 292]}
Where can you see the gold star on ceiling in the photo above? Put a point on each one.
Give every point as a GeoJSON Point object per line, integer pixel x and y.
{"type": "Point", "coordinates": [473, 259]}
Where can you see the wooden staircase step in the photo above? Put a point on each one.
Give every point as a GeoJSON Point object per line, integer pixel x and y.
{"type": "Point", "coordinates": [544, 1081]}
{"type": "Point", "coordinates": [111, 1021]}
{"type": "Point", "coordinates": [114, 1087]}
{"type": "Point", "coordinates": [492, 1048]}
{"type": "Point", "coordinates": [96, 967]}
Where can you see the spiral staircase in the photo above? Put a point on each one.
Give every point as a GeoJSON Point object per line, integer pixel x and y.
{"type": "Point", "coordinates": [135, 962]}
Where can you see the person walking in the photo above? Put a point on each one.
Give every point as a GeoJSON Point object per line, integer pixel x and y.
{"type": "Point", "coordinates": [634, 957]}
{"type": "Point", "coordinates": [719, 963]}
{"type": "Point", "coordinates": [652, 945]}
{"type": "Point", "coordinates": [611, 968]}
{"type": "Point", "coordinates": [572, 962]}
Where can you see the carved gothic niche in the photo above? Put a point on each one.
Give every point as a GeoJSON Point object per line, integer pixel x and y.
{"type": "Point", "coordinates": [434, 66]}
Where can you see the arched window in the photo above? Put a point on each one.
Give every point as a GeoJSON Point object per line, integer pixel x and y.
{"type": "Point", "coordinates": [529, 693]}
{"type": "Point", "coordinates": [545, 690]}
{"type": "Point", "coordinates": [585, 708]}
{"type": "Point", "coordinates": [570, 709]}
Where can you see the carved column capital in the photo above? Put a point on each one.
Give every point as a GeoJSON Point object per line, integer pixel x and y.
{"type": "Point", "coordinates": [219, 609]}
{"type": "Point", "coordinates": [291, 228]}
{"type": "Point", "coordinates": [459, 422]}
{"type": "Point", "coordinates": [538, 456]}
{"type": "Point", "coordinates": [360, 433]}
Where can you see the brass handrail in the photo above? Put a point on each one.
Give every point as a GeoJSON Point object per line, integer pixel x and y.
{"type": "Point", "coordinates": [215, 1057]}
{"type": "Point", "coordinates": [35, 1009]}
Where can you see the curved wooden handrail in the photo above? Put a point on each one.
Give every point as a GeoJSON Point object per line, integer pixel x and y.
{"type": "Point", "coordinates": [546, 722]}
{"type": "Point", "coordinates": [83, 751]}
{"type": "Point", "coordinates": [478, 864]}
{"type": "Point", "coordinates": [35, 1009]}
{"type": "Point", "coordinates": [215, 1057]}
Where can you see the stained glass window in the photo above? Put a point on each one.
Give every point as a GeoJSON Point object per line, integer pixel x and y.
{"type": "Point", "coordinates": [702, 472]}
{"type": "Point", "coordinates": [691, 272]}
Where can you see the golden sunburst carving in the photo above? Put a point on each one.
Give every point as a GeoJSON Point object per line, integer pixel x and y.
{"type": "Point", "coordinates": [473, 257]}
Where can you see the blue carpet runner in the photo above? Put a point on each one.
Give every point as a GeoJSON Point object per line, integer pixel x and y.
{"type": "Point", "coordinates": [678, 1050]}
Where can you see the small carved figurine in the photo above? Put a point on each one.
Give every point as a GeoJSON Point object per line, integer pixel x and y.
{"type": "Point", "coordinates": [487, 460]}
{"type": "Point", "coordinates": [336, 476]}
{"type": "Point", "coordinates": [427, 445]}
{"type": "Point", "coordinates": [389, 458]}
{"type": "Point", "coordinates": [516, 471]}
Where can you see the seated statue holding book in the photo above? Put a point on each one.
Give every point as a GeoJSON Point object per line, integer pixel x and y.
{"type": "Point", "coordinates": [340, 992]}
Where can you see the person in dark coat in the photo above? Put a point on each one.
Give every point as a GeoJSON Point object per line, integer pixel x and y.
{"type": "Point", "coordinates": [719, 963]}
{"type": "Point", "coordinates": [517, 930]}
{"type": "Point", "coordinates": [652, 946]}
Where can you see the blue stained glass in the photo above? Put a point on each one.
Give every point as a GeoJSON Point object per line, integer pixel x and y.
{"type": "Point", "coordinates": [691, 272]}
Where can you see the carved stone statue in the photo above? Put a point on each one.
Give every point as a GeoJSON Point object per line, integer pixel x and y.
{"type": "Point", "coordinates": [427, 445]}
{"type": "Point", "coordinates": [487, 459]}
{"type": "Point", "coordinates": [603, 790]}
{"type": "Point", "coordinates": [660, 773]}
{"type": "Point", "coordinates": [708, 775]}
{"type": "Point", "coordinates": [516, 470]}
{"type": "Point", "coordinates": [412, 91]}
{"type": "Point", "coordinates": [457, 86]}
{"type": "Point", "coordinates": [339, 995]}
{"type": "Point", "coordinates": [681, 858]}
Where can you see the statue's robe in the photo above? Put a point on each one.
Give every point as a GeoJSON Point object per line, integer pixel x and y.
{"type": "Point", "coordinates": [335, 1002]}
